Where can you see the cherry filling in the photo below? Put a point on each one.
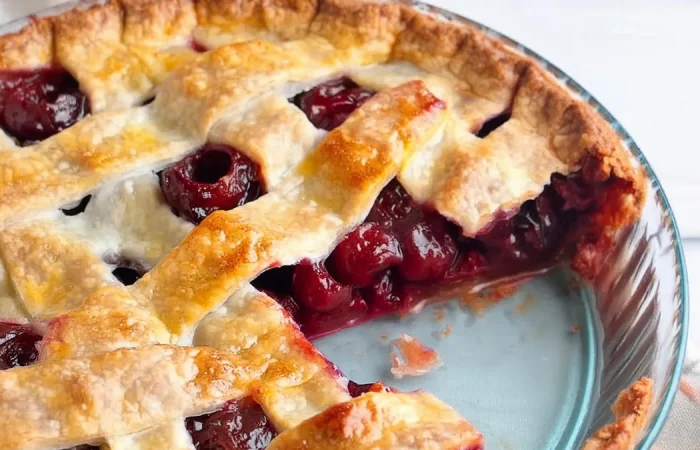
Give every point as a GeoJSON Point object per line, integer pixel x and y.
{"type": "Point", "coordinates": [37, 104]}
{"type": "Point", "coordinates": [215, 177]}
{"type": "Point", "coordinates": [17, 345]}
{"type": "Point", "coordinates": [198, 47]}
{"type": "Point", "coordinates": [403, 250]}
{"type": "Point", "coordinates": [329, 104]}
{"type": "Point", "coordinates": [316, 289]}
{"type": "Point", "coordinates": [239, 425]}
{"type": "Point", "coordinates": [368, 250]}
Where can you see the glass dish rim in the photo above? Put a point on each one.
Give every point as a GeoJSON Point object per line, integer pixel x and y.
{"type": "Point", "coordinates": [657, 423]}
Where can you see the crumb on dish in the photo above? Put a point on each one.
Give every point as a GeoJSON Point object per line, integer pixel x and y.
{"type": "Point", "coordinates": [631, 409]}
{"type": "Point", "coordinates": [439, 313]}
{"type": "Point", "coordinates": [410, 357]}
{"type": "Point", "coordinates": [444, 333]}
{"type": "Point", "coordinates": [479, 301]}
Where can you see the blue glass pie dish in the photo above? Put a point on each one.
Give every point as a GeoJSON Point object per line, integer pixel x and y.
{"type": "Point", "coordinates": [541, 369]}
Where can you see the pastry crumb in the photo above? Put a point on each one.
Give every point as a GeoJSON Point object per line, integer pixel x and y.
{"type": "Point", "coordinates": [410, 357]}
{"type": "Point", "coordinates": [384, 336]}
{"type": "Point", "coordinates": [439, 313]}
{"type": "Point", "coordinates": [630, 410]}
{"type": "Point", "coordinates": [500, 292]}
{"type": "Point", "coordinates": [478, 302]}
{"type": "Point", "coordinates": [444, 333]}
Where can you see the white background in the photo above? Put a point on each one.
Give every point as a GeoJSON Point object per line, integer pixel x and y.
{"type": "Point", "coordinates": [640, 58]}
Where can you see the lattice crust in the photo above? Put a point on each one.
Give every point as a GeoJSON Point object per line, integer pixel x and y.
{"type": "Point", "coordinates": [295, 381]}
{"type": "Point", "coordinates": [319, 186]}
{"type": "Point", "coordinates": [116, 393]}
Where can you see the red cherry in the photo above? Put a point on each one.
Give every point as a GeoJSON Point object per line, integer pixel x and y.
{"type": "Point", "coordinates": [313, 287]}
{"type": "Point", "coordinates": [428, 252]}
{"type": "Point", "coordinates": [394, 208]}
{"type": "Point", "coordinates": [539, 223]}
{"type": "Point", "coordinates": [17, 345]}
{"type": "Point", "coordinates": [216, 177]}
{"type": "Point", "coordinates": [469, 263]}
{"type": "Point", "coordinates": [363, 253]}
{"type": "Point", "coordinates": [36, 105]}
{"type": "Point", "coordinates": [328, 105]}
{"type": "Point", "coordinates": [386, 294]}
{"type": "Point", "coordinates": [317, 324]}
{"type": "Point", "coordinates": [239, 425]}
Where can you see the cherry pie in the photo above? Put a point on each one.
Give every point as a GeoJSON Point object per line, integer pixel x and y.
{"type": "Point", "coordinates": [192, 190]}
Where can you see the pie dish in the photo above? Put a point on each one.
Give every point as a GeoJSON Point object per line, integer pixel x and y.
{"type": "Point", "coordinates": [192, 191]}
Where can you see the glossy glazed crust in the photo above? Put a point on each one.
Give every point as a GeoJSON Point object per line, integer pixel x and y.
{"type": "Point", "coordinates": [631, 410]}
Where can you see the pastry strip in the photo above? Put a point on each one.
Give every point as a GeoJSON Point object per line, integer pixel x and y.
{"type": "Point", "coordinates": [116, 393]}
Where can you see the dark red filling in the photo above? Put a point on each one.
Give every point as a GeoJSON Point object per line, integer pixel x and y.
{"type": "Point", "coordinates": [239, 425]}
{"type": "Point", "coordinates": [404, 250]}
{"type": "Point", "coordinates": [17, 345]}
{"type": "Point", "coordinates": [215, 177]}
{"type": "Point", "coordinates": [329, 104]}
{"type": "Point", "coordinates": [37, 104]}
{"type": "Point", "coordinates": [198, 47]}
